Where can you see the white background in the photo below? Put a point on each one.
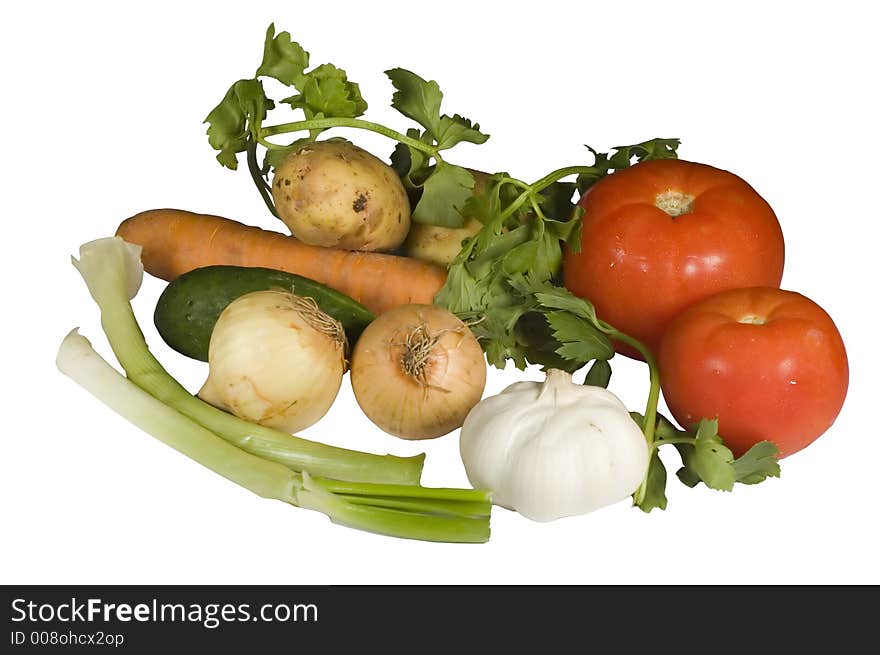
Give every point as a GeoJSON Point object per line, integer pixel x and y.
{"type": "Point", "coordinates": [102, 109]}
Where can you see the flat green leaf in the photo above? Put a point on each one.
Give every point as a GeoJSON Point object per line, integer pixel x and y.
{"type": "Point", "coordinates": [494, 247]}
{"type": "Point", "coordinates": [625, 156]}
{"type": "Point", "coordinates": [581, 342]}
{"type": "Point", "coordinates": [275, 156]}
{"type": "Point", "coordinates": [500, 351]}
{"type": "Point", "coordinates": [417, 99]}
{"type": "Point", "coordinates": [708, 459]}
{"type": "Point", "coordinates": [685, 474]}
{"type": "Point", "coordinates": [665, 429]}
{"type": "Point", "coordinates": [655, 485]}
{"type": "Point", "coordinates": [536, 337]}
{"type": "Point", "coordinates": [647, 150]}
{"type": "Point", "coordinates": [548, 259]}
{"type": "Point", "coordinates": [559, 298]}
{"type": "Point", "coordinates": [420, 100]}
{"type": "Point", "coordinates": [758, 463]}
{"type": "Point", "coordinates": [521, 258]}
{"type": "Point", "coordinates": [444, 194]}
{"type": "Point", "coordinates": [484, 206]}
{"type": "Point", "coordinates": [599, 374]}
{"type": "Point", "coordinates": [283, 59]}
{"type": "Point", "coordinates": [241, 111]}
{"type": "Point", "coordinates": [455, 129]}
{"type": "Point", "coordinates": [556, 200]}
{"type": "Point", "coordinates": [461, 292]}
{"type": "Point", "coordinates": [409, 163]}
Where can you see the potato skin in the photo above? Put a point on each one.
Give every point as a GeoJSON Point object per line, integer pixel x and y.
{"type": "Point", "coordinates": [334, 194]}
{"type": "Point", "coordinates": [440, 245]}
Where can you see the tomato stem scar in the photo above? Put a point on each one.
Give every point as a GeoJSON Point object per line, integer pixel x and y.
{"type": "Point", "coordinates": [674, 203]}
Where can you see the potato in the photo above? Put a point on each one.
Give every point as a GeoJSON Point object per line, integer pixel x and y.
{"type": "Point", "coordinates": [440, 245]}
{"type": "Point", "coordinates": [332, 193]}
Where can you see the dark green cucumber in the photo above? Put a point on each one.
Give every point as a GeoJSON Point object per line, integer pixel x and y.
{"type": "Point", "coordinates": [191, 304]}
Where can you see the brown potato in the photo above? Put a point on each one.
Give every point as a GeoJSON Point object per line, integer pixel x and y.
{"type": "Point", "coordinates": [440, 245]}
{"type": "Point", "coordinates": [334, 194]}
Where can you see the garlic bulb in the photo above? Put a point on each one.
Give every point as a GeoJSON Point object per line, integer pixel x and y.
{"type": "Point", "coordinates": [275, 359]}
{"type": "Point", "coordinates": [553, 449]}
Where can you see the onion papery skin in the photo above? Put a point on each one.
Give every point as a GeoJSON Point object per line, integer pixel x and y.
{"type": "Point", "coordinates": [269, 365]}
{"type": "Point", "coordinates": [409, 406]}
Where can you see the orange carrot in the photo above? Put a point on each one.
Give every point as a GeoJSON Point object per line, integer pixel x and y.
{"type": "Point", "coordinates": [175, 241]}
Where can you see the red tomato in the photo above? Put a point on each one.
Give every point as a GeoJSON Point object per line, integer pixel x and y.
{"type": "Point", "coordinates": [769, 364]}
{"type": "Point", "coordinates": [664, 234]}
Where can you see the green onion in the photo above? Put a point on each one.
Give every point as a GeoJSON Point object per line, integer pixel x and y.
{"type": "Point", "coordinates": [422, 519]}
{"type": "Point", "coordinates": [113, 272]}
{"type": "Point", "coordinates": [78, 360]}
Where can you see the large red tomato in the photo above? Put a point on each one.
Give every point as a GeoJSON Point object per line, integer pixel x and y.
{"type": "Point", "coordinates": [664, 234]}
{"type": "Point", "coordinates": [769, 364]}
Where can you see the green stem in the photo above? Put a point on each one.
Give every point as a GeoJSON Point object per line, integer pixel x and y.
{"type": "Point", "coordinates": [559, 173]}
{"type": "Point", "coordinates": [377, 489]}
{"type": "Point", "coordinates": [326, 123]}
{"type": "Point", "coordinates": [257, 176]}
{"type": "Point", "coordinates": [653, 373]}
{"type": "Point", "coordinates": [650, 424]}
{"type": "Point", "coordinates": [437, 501]}
{"type": "Point", "coordinates": [431, 507]}
{"type": "Point", "coordinates": [434, 519]}
{"type": "Point", "coordinates": [78, 360]}
{"type": "Point", "coordinates": [392, 522]}
{"type": "Point", "coordinates": [662, 441]}
{"type": "Point", "coordinates": [536, 187]}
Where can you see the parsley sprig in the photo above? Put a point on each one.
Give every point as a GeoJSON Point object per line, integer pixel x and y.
{"type": "Point", "coordinates": [704, 459]}
{"type": "Point", "coordinates": [328, 99]}
{"type": "Point", "coordinates": [505, 283]}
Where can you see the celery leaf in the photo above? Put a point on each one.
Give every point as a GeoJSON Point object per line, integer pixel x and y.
{"type": "Point", "coordinates": [283, 59]}
{"type": "Point", "coordinates": [238, 115]}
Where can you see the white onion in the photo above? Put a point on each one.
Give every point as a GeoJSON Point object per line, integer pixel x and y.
{"type": "Point", "coordinates": [275, 359]}
{"type": "Point", "coordinates": [417, 371]}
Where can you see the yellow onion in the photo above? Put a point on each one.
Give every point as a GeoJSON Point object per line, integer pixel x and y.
{"type": "Point", "coordinates": [275, 359]}
{"type": "Point", "coordinates": [417, 371]}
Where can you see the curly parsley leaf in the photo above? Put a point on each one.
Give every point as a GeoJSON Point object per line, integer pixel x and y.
{"type": "Point", "coordinates": [283, 59]}
{"type": "Point", "coordinates": [238, 115]}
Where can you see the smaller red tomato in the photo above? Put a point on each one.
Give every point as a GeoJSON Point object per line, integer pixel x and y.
{"type": "Point", "coordinates": [769, 364]}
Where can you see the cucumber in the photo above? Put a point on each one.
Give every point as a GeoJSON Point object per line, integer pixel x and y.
{"type": "Point", "coordinates": [189, 307]}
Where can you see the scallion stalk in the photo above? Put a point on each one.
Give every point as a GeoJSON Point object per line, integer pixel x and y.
{"type": "Point", "coordinates": [79, 361]}
{"type": "Point", "coordinates": [426, 518]}
{"type": "Point", "coordinates": [113, 271]}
